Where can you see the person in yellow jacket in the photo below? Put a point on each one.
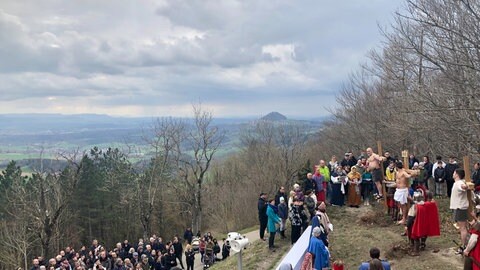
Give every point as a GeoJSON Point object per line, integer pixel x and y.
{"type": "Point", "coordinates": [390, 172]}
{"type": "Point", "coordinates": [324, 171]}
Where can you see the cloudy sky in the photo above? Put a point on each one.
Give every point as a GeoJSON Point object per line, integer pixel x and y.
{"type": "Point", "coordinates": [156, 58]}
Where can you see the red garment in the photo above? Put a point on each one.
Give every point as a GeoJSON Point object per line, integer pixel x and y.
{"type": "Point", "coordinates": [307, 263]}
{"type": "Point", "coordinates": [391, 203]}
{"type": "Point", "coordinates": [427, 221]}
{"type": "Point", "coordinates": [320, 196]}
{"type": "Point", "coordinates": [475, 252]}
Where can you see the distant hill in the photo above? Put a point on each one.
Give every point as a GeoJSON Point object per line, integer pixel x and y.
{"type": "Point", "coordinates": [274, 116]}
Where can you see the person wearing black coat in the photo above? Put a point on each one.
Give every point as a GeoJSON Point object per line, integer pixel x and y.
{"type": "Point", "coordinates": [225, 249]}
{"type": "Point", "coordinates": [349, 160]}
{"type": "Point", "coordinates": [428, 167]}
{"type": "Point", "coordinates": [439, 176]}
{"type": "Point", "coordinates": [170, 259]}
{"type": "Point", "coordinates": [159, 262]}
{"type": "Point", "coordinates": [309, 183]}
{"type": "Point", "coordinates": [188, 235]}
{"type": "Point", "coordinates": [178, 250]}
{"type": "Point", "coordinates": [412, 160]}
{"type": "Point", "coordinates": [189, 257]}
{"type": "Point", "coordinates": [262, 214]}
{"type": "Point", "coordinates": [280, 193]}
{"type": "Point", "coordinates": [449, 170]}
{"type": "Point", "coordinates": [476, 175]}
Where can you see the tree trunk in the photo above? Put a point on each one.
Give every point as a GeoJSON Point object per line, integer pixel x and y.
{"type": "Point", "coordinates": [146, 221]}
{"type": "Point", "coordinates": [198, 206]}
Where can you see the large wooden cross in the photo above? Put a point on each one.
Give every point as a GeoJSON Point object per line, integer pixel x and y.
{"type": "Point", "coordinates": [470, 185]}
{"type": "Point", "coordinates": [384, 190]}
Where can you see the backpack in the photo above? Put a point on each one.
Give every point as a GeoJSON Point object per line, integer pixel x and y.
{"type": "Point", "coordinates": [216, 249]}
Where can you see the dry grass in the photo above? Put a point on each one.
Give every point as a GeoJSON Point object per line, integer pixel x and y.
{"type": "Point", "coordinates": [356, 230]}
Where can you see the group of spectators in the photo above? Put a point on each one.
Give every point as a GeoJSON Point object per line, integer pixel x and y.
{"type": "Point", "coordinates": [154, 254]}
{"type": "Point", "coordinates": [350, 181]}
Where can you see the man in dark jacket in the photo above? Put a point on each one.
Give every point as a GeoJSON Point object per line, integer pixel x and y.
{"type": "Point", "coordinates": [387, 161]}
{"type": "Point", "coordinates": [225, 249]}
{"type": "Point", "coordinates": [178, 249]}
{"type": "Point", "coordinates": [476, 175]}
{"type": "Point", "coordinates": [280, 193]}
{"type": "Point", "coordinates": [439, 175]}
{"type": "Point", "coordinates": [412, 160]}
{"type": "Point", "coordinates": [428, 178]}
{"type": "Point", "coordinates": [262, 214]}
{"type": "Point", "coordinates": [188, 235]}
{"type": "Point", "coordinates": [309, 183]}
{"type": "Point", "coordinates": [449, 170]}
{"type": "Point", "coordinates": [349, 160]}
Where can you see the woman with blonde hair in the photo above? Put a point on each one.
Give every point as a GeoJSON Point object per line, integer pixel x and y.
{"type": "Point", "coordinates": [354, 180]}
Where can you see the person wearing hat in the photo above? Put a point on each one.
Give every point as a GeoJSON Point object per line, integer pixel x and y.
{"type": "Point", "coordinates": [262, 214]}
{"type": "Point", "coordinates": [135, 258]}
{"type": "Point", "coordinates": [283, 214]}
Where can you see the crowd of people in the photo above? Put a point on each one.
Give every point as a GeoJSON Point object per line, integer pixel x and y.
{"type": "Point", "coordinates": [409, 190]}
{"type": "Point", "coordinates": [154, 254]}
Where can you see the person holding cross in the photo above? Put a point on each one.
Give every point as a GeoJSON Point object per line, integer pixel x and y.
{"type": "Point", "coordinates": [459, 203]}
{"type": "Point", "coordinates": [373, 164]}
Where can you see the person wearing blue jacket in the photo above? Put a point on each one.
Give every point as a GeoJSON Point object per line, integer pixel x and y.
{"type": "Point", "coordinates": [273, 220]}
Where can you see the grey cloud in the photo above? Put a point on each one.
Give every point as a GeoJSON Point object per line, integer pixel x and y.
{"type": "Point", "coordinates": [146, 53]}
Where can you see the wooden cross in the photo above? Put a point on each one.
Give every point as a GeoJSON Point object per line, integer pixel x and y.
{"type": "Point", "coordinates": [405, 159]}
{"type": "Point", "coordinates": [470, 185]}
{"type": "Point", "coordinates": [384, 190]}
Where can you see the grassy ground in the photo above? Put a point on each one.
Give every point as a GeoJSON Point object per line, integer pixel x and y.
{"type": "Point", "coordinates": [356, 230]}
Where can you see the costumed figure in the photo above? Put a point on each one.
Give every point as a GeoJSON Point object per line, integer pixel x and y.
{"type": "Point", "coordinates": [321, 255]}
{"type": "Point", "coordinates": [354, 180]}
{"type": "Point", "coordinates": [338, 187]}
{"type": "Point", "coordinates": [418, 199]}
{"type": "Point", "coordinates": [426, 222]}
{"type": "Point", "coordinates": [322, 221]}
{"type": "Point", "coordinates": [472, 251]}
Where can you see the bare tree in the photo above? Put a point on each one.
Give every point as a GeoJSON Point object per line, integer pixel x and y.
{"type": "Point", "coordinates": [189, 148]}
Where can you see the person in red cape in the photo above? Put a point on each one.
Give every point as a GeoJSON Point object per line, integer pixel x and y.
{"type": "Point", "coordinates": [425, 224]}
{"type": "Point", "coordinates": [472, 251]}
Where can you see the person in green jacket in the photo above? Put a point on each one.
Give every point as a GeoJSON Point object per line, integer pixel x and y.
{"type": "Point", "coordinates": [325, 172]}
{"type": "Point", "coordinates": [273, 220]}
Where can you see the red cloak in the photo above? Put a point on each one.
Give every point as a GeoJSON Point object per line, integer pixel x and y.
{"type": "Point", "coordinates": [475, 252]}
{"type": "Point", "coordinates": [427, 221]}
